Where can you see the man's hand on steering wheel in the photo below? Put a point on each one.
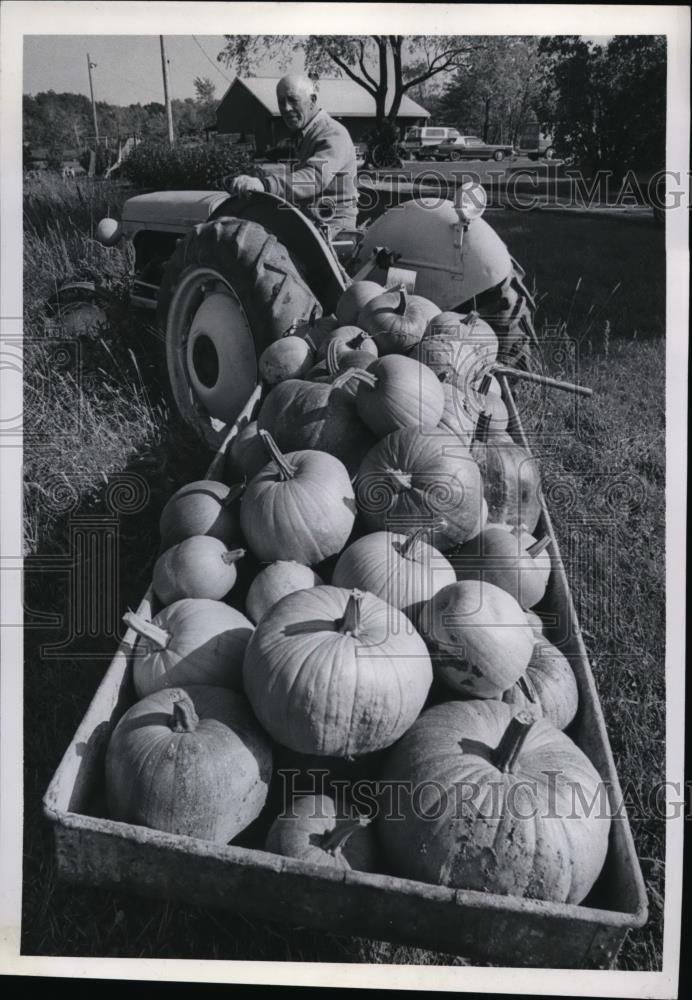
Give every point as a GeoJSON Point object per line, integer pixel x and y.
{"type": "Point", "coordinates": [243, 185]}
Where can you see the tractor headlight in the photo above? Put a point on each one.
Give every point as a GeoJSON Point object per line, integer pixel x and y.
{"type": "Point", "coordinates": [471, 201]}
{"type": "Point", "coordinates": [108, 232]}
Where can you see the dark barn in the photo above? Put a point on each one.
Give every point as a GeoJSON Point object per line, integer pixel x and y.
{"type": "Point", "coordinates": [249, 108]}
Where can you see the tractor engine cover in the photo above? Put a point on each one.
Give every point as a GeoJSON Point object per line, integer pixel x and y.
{"type": "Point", "coordinates": [454, 260]}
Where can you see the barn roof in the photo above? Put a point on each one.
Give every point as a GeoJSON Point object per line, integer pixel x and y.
{"type": "Point", "coordinates": [337, 97]}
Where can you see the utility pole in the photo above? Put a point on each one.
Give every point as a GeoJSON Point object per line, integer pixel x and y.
{"type": "Point", "coordinates": [90, 66]}
{"type": "Point", "coordinates": [167, 100]}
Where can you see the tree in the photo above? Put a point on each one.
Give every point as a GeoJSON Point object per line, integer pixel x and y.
{"type": "Point", "coordinates": [386, 66]}
{"type": "Point", "coordinates": [205, 90]}
{"type": "Point", "coordinates": [495, 93]}
{"type": "Point", "coordinates": [607, 105]}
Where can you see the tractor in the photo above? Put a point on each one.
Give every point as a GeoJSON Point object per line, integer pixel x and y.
{"type": "Point", "coordinates": [228, 275]}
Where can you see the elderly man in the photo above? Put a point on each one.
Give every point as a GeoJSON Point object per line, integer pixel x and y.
{"type": "Point", "coordinates": [322, 182]}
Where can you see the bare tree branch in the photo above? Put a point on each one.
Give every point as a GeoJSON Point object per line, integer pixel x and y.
{"type": "Point", "coordinates": [361, 63]}
{"type": "Point", "coordinates": [349, 72]}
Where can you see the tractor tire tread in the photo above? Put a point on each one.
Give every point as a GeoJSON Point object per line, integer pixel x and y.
{"type": "Point", "coordinates": [247, 253]}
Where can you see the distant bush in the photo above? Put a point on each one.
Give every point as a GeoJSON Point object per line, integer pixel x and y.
{"type": "Point", "coordinates": [183, 167]}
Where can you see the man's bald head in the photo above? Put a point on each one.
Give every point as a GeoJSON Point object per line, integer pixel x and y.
{"type": "Point", "coordinates": [297, 100]}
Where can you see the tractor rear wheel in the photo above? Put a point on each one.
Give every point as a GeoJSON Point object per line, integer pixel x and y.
{"type": "Point", "coordinates": [229, 290]}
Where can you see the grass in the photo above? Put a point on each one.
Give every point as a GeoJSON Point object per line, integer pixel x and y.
{"type": "Point", "coordinates": [107, 418]}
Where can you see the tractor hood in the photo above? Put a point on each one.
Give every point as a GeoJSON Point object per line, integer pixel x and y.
{"type": "Point", "coordinates": [170, 210]}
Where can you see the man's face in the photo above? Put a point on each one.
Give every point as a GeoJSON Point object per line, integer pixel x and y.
{"type": "Point", "coordinates": [296, 106]}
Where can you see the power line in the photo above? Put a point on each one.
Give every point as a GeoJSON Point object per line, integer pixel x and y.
{"type": "Point", "coordinates": [210, 60]}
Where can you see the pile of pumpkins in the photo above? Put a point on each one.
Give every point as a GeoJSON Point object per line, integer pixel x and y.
{"type": "Point", "coordinates": [357, 596]}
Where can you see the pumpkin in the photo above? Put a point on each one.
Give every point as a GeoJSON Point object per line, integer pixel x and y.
{"type": "Point", "coordinates": [478, 637]}
{"type": "Point", "coordinates": [289, 357]}
{"type": "Point", "coordinates": [486, 404]}
{"type": "Point", "coordinates": [499, 557]}
{"type": "Point", "coordinates": [313, 330]}
{"type": "Point", "coordinates": [247, 454]}
{"type": "Point", "coordinates": [191, 761]}
{"type": "Point", "coordinates": [464, 328]}
{"type": "Point", "coordinates": [303, 415]}
{"type": "Point", "coordinates": [510, 476]}
{"type": "Point", "coordinates": [396, 320]}
{"type": "Point", "coordinates": [356, 296]}
{"type": "Point", "coordinates": [274, 582]}
{"type": "Point", "coordinates": [348, 338]}
{"type": "Point", "coordinates": [204, 507]}
{"type": "Point", "coordinates": [312, 832]}
{"type": "Point", "coordinates": [495, 802]}
{"type": "Point", "coordinates": [192, 641]}
{"type": "Point", "coordinates": [198, 567]}
{"type": "Point", "coordinates": [457, 417]}
{"type": "Point", "coordinates": [410, 479]}
{"type": "Point", "coordinates": [301, 506]}
{"type": "Point", "coordinates": [457, 346]}
{"type": "Point", "coordinates": [536, 623]}
{"type": "Point", "coordinates": [400, 392]}
{"type": "Point", "coordinates": [338, 361]}
{"type": "Point", "coordinates": [336, 672]}
{"type": "Point", "coordinates": [548, 688]}
{"type": "Point", "coordinates": [401, 569]}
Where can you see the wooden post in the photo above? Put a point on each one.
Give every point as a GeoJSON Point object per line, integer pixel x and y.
{"type": "Point", "coordinates": [90, 66]}
{"type": "Point", "coordinates": [167, 100]}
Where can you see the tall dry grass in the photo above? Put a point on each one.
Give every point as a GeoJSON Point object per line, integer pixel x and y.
{"type": "Point", "coordinates": [88, 411]}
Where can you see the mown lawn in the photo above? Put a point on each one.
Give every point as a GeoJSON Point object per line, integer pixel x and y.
{"type": "Point", "coordinates": [600, 282]}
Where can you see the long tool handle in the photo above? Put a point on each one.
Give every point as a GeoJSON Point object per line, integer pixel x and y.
{"type": "Point", "coordinates": [243, 418]}
{"type": "Point", "coordinates": [579, 390]}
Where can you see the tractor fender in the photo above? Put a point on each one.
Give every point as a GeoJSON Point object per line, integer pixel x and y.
{"type": "Point", "coordinates": [169, 211]}
{"type": "Point", "coordinates": [454, 260]}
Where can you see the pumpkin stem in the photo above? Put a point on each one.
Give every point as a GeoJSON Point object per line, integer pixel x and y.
{"type": "Point", "coordinates": [158, 637]}
{"type": "Point", "coordinates": [509, 747]}
{"type": "Point", "coordinates": [233, 494]}
{"type": "Point", "coordinates": [401, 478]}
{"type": "Point", "coordinates": [407, 550]}
{"type": "Point", "coordinates": [286, 470]}
{"type": "Point", "coordinates": [526, 685]}
{"type": "Point", "coordinates": [485, 385]}
{"type": "Point", "coordinates": [291, 329]}
{"type": "Point", "coordinates": [418, 535]}
{"type": "Point", "coordinates": [310, 342]}
{"type": "Point", "coordinates": [333, 358]}
{"type": "Point", "coordinates": [483, 427]}
{"type": "Point", "coordinates": [233, 555]}
{"type": "Point", "coordinates": [401, 308]}
{"type": "Point", "coordinates": [313, 315]}
{"type": "Point", "coordinates": [350, 623]}
{"type": "Point", "coordinates": [538, 547]}
{"type": "Point", "coordinates": [367, 378]}
{"type": "Point", "coordinates": [184, 718]}
{"type": "Point", "coordinates": [334, 841]}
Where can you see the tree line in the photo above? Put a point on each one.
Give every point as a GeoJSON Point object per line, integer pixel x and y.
{"type": "Point", "coordinates": [56, 123]}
